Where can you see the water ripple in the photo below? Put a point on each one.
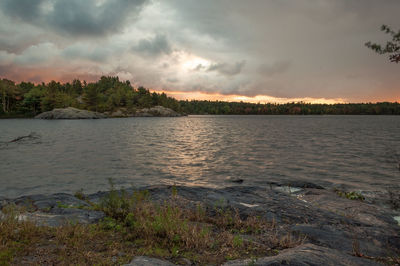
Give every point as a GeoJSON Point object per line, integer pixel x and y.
{"type": "Point", "coordinates": [358, 151]}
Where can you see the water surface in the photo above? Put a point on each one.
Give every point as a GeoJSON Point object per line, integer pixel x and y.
{"type": "Point", "coordinates": [362, 152]}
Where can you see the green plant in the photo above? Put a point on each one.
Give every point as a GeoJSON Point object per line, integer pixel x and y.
{"type": "Point", "coordinates": [237, 241]}
{"type": "Point", "coordinates": [62, 205]}
{"type": "Point", "coordinates": [80, 195]}
{"type": "Point", "coordinates": [109, 223]}
{"type": "Point", "coordinates": [174, 191]}
{"type": "Point", "coordinates": [352, 195]}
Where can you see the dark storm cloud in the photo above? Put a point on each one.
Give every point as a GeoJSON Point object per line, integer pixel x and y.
{"type": "Point", "coordinates": [74, 17]}
{"type": "Point", "coordinates": [155, 46]}
{"type": "Point", "coordinates": [78, 17]}
{"type": "Point", "coordinates": [226, 69]}
{"type": "Point", "coordinates": [25, 10]}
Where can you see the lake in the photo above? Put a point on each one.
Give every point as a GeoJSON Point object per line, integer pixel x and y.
{"type": "Point", "coordinates": [359, 152]}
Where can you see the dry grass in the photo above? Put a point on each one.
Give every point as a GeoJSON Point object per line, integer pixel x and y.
{"type": "Point", "coordinates": [137, 226]}
{"type": "Point", "coordinates": [23, 242]}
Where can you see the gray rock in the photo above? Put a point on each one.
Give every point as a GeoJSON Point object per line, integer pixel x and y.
{"type": "Point", "coordinates": [254, 200]}
{"type": "Point", "coordinates": [147, 261]}
{"type": "Point", "coordinates": [3, 202]}
{"type": "Point", "coordinates": [157, 111]}
{"type": "Point", "coordinates": [306, 255]}
{"type": "Point", "coordinates": [302, 184]}
{"type": "Point", "coordinates": [322, 217]}
{"type": "Point", "coordinates": [142, 113]}
{"type": "Point", "coordinates": [117, 113]}
{"type": "Point", "coordinates": [70, 113]}
{"type": "Point", "coordinates": [326, 235]}
{"type": "Point", "coordinates": [331, 223]}
{"type": "Point", "coordinates": [120, 112]}
{"type": "Point", "coordinates": [62, 217]}
{"type": "Point", "coordinates": [57, 209]}
{"type": "Point", "coordinates": [79, 215]}
{"type": "Point", "coordinates": [48, 202]}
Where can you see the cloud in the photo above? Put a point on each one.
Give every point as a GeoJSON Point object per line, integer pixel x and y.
{"type": "Point", "coordinates": [199, 67]}
{"type": "Point", "coordinates": [15, 38]}
{"type": "Point", "coordinates": [96, 53]}
{"type": "Point", "coordinates": [156, 46]}
{"type": "Point", "coordinates": [6, 58]}
{"type": "Point", "coordinates": [226, 69]}
{"type": "Point", "coordinates": [25, 10]}
{"type": "Point", "coordinates": [288, 49]}
{"type": "Point", "coordinates": [77, 18]}
{"type": "Point", "coordinates": [275, 68]}
{"type": "Point", "coordinates": [37, 54]}
{"type": "Point", "coordinates": [172, 80]}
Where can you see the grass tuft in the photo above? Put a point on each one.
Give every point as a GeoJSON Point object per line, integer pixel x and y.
{"type": "Point", "coordinates": [352, 195]}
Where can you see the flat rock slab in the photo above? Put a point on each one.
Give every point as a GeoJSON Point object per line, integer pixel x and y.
{"type": "Point", "coordinates": [147, 261]}
{"type": "Point", "coordinates": [306, 255]}
{"type": "Point", "coordinates": [301, 184]}
{"type": "Point", "coordinates": [48, 202]}
{"type": "Point", "coordinates": [57, 209]}
{"type": "Point", "coordinates": [64, 217]}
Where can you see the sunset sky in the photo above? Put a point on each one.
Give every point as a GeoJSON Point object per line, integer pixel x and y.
{"type": "Point", "coordinates": [250, 50]}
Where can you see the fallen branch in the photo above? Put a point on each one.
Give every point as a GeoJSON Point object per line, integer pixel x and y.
{"type": "Point", "coordinates": [32, 135]}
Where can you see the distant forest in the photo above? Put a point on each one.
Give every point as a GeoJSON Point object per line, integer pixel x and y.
{"type": "Point", "coordinates": [109, 94]}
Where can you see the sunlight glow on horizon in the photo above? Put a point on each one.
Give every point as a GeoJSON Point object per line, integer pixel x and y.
{"type": "Point", "coordinates": [191, 62]}
{"type": "Point", "coordinates": [196, 95]}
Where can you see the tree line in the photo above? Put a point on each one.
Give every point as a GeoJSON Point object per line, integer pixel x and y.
{"type": "Point", "coordinates": [109, 94]}
{"type": "Point", "coordinates": [106, 95]}
{"type": "Point", "coordinates": [294, 108]}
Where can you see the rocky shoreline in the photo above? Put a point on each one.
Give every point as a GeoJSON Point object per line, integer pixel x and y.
{"type": "Point", "coordinates": [338, 230]}
{"type": "Point", "coordinates": [74, 113]}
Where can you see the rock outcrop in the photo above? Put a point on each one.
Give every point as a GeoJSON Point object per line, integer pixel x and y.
{"type": "Point", "coordinates": [70, 113]}
{"type": "Point", "coordinates": [334, 228]}
{"type": "Point", "coordinates": [56, 210]}
{"type": "Point", "coordinates": [157, 111]}
{"type": "Point", "coordinates": [307, 254]}
{"type": "Point", "coordinates": [74, 113]}
{"type": "Point", "coordinates": [147, 261]}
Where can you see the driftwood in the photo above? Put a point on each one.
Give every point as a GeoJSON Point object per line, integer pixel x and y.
{"type": "Point", "coordinates": [32, 135]}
